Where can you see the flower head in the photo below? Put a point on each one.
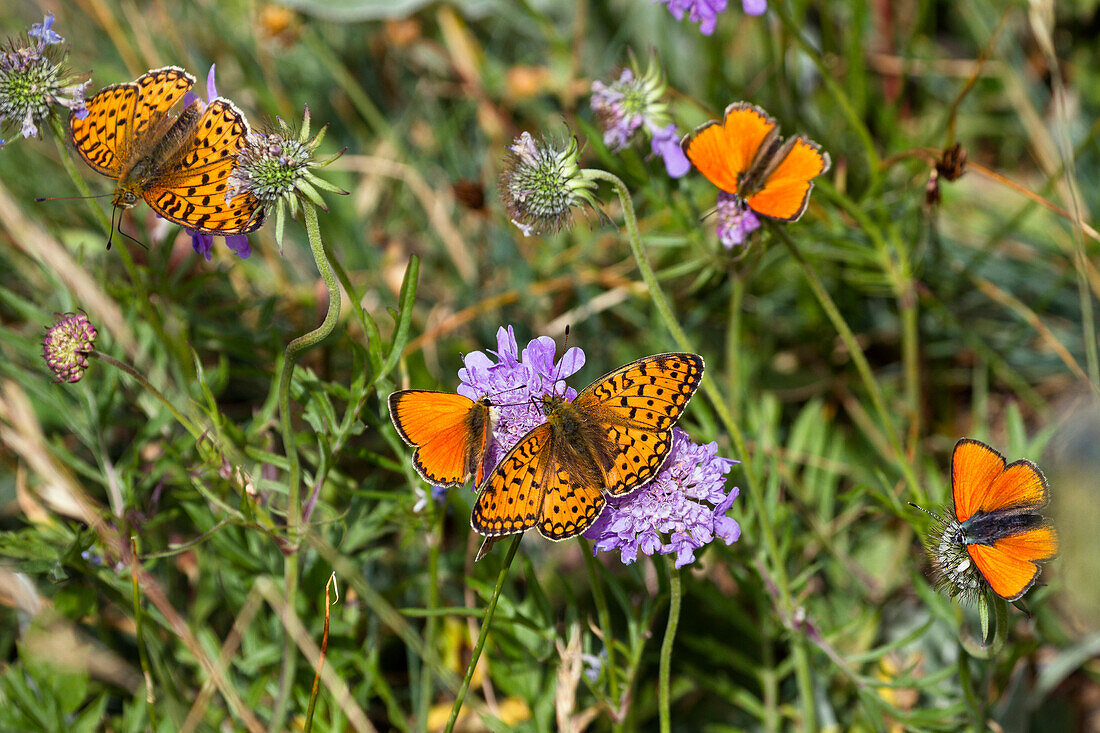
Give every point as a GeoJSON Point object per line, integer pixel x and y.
{"type": "Point", "coordinates": [632, 103]}
{"type": "Point", "coordinates": [540, 185]}
{"type": "Point", "coordinates": [515, 380]}
{"type": "Point", "coordinates": [276, 167]}
{"type": "Point", "coordinates": [66, 345]}
{"type": "Point", "coordinates": [735, 220]}
{"type": "Point", "coordinates": [705, 12]}
{"type": "Point", "coordinates": [679, 511]}
{"type": "Point", "coordinates": [33, 78]}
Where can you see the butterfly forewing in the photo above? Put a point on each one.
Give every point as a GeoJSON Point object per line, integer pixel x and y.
{"type": "Point", "coordinates": [511, 498]}
{"type": "Point", "coordinates": [448, 431]}
{"type": "Point", "coordinates": [974, 466]}
{"type": "Point", "coordinates": [108, 136]}
{"type": "Point", "coordinates": [725, 152]}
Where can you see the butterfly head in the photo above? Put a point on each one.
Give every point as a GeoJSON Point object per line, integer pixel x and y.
{"type": "Point", "coordinates": [126, 196]}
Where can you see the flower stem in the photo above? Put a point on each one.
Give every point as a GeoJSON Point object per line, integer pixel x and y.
{"type": "Point", "coordinates": [674, 597]}
{"type": "Point", "coordinates": [483, 634]}
{"type": "Point", "coordinates": [721, 407]}
{"type": "Point", "coordinates": [294, 507]}
{"type": "Point", "coordinates": [604, 616]}
{"type": "Point", "coordinates": [123, 366]}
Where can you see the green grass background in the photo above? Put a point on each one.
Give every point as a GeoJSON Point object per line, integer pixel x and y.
{"type": "Point", "coordinates": [972, 318]}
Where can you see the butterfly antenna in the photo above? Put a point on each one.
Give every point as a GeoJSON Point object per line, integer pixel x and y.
{"type": "Point", "coordinates": [111, 235]}
{"type": "Point", "coordinates": [40, 199]}
{"type": "Point", "coordinates": [934, 516]}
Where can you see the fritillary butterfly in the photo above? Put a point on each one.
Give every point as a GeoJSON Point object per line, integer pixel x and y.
{"type": "Point", "coordinates": [611, 439]}
{"type": "Point", "coordinates": [449, 431]}
{"type": "Point", "coordinates": [178, 164]}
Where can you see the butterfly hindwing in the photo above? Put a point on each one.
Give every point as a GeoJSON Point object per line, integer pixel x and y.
{"type": "Point", "coordinates": [568, 507]}
{"type": "Point", "coordinates": [1009, 565]}
{"type": "Point", "coordinates": [190, 188]}
{"type": "Point", "coordinates": [511, 498]}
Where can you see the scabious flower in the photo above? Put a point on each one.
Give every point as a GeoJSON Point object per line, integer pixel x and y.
{"type": "Point", "coordinates": [515, 381]}
{"type": "Point", "coordinates": [276, 167]}
{"type": "Point", "coordinates": [735, 220]}
{"type": "Point", "coordinates": [540, 184]}
{"type": "Point", "coordinates": [66, 345]}
{"type": "Point", "coordinates": [634, 102]}
{"type": "Point", "coordinates": [705, 12]}
{"type": "Point", "coordinates": [679, 511]}
{"type": "Point", "coordinates": [32, 78]}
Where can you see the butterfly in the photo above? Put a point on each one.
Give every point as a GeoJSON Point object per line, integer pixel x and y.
{"type": "Point", "coordinates": [612, 438]}
{"type": "Point", "coordinates": [178, 164]}
{"type": "Point", "coordinates": [745, 157]}
{"type": "Point", "coordinates": [996, 527]}
{"type": "Point", "coordinates": [449, 431]}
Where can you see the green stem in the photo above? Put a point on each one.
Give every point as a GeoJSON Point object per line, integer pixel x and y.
{"type": "Point", "coordinates": [143, 653]}
{"type": "Point", "coordinates": [294, 505]}
{"type": "Point", "coordinates": [721, 407]}
{"type": "Point", "coordinates": [483, 634]}
{"type": "Point", "coordinates": [675, 593]}
{"type": "Point", "coordinates": [123, 366]}
{"type": "Point", "coordinates": [604, 616]}
{"type": "Point", "coordinates": [431, 626]}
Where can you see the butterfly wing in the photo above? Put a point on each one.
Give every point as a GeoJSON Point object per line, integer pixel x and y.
{"type": "Point", "coordinates": [974, 468]}
{"type": "Point", "coordinates": [119, 114]}
{"type": "Point", "coordinates": [448, 431]}
{"type": "Point", "coordinates": [786, 189]}
{"type": "Point", "coordinates": [512, 496]}
{"type": "Point", "coordinates": [636, 406]}
{"type": "Point", "coordinates": [190, 189]}
{"type": "Point", "coordinates": [568, 507]}
{"type": "Point", "coordinates": [1009, 565]}
{"type": "Point", "coordinates": [724, 152]}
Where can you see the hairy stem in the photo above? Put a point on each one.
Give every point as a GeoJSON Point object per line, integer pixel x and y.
{"type": "Point", "coordinates": [674, 597]}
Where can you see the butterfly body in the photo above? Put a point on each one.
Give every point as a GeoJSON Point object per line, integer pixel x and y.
{"type": "Point", "coordinates": [179, 165]}
{"type": "Point", "coordinates": [611, 439]}
{"type": "Point", "coordinates": [745, 156]}
{"type": "Point", "coordinates": [996, 535]}
{"type": "Point", "coordinates": [449, 431]}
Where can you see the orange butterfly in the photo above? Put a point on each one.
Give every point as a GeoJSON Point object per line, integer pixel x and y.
{"type": "Point", "coordinates": [997, 527]}
{"type": "Point", "coordinates": [449, 431]}
{"type": "Point", "coordinates": [611, 439]}
{"type": "Point", "coordinates": [745, 157]}
{"type": "Point", "coordinates": [178, 164]}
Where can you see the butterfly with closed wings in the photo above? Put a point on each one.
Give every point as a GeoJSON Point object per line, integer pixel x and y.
{"type": "Point", "coordinates": [178, 164]}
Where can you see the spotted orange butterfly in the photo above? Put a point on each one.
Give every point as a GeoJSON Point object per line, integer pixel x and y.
{"type": "Point", "coordinates": [996, 527]}
{"type": "Point", "coordinates": [178, 164]}
{"type": "Point", "coordinates": [611, 439]}
{"type": "Point", "coordinates": [744, 156]}
{"type": "Point", "coordinates": [449, 431]}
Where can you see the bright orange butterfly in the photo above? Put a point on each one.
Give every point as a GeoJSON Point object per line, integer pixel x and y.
{"type": "Point", "coordinates": [996, 527]}
{"type": "Point", "coordinates": [611, 439]}
{"type": "Point", "coordinates": [449, 431]}
{"type": "Point", "coordinates": [745, 157]}
{"type": "Point", "coordinates": [178, 164]}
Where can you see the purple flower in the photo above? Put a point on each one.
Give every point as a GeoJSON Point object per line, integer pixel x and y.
{"type": "Point", "coordinates": [679, 511]}
{"type": "Point", "coordinates": [515, 381]}
{"type": "Point", "coordinates": [201, 242]}
{"type": "Point", "coordinates": [735, 220]}
{"type": "Point", "coordinates": [754, 7]}
{"type": "Point", "coordinates": [666, 143]}
{"type": "Point", "coordinates": [66, 346]}
{"type": "Point", "coordinates": [635, 102]}
{"type": "Point", "coordinates": [703, 12]}
{"type": "Point", "coordinates": [33, 79]}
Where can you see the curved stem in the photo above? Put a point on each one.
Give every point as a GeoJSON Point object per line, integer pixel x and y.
{"type": "Point", "coordinates": [294, 506]}
{"type": "Point", "coordinates": [483, 634]}
{"type": "Point", "coordinates": [123, 366]}
{"type": "Point", "coordinates": [721, 408]}
{"type": "Point", "coordinates": [604, 616]}
{"type": "Point", "coordinates": [675, 593]}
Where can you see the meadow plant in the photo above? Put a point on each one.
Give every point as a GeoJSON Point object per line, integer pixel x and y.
{"type": "Point", "coordinates": [66, 346]}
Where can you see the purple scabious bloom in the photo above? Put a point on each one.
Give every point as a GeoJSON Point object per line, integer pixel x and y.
{"type": "Point", "coordinates": [201, 242]}
{"type": "Point", "coordinates": [705, 12]}
{"type": "Point", "coordinates": [679, 511]}
{"type": "Point", "coordinates": [66, 346]}
{"type": "Point", "coordinates": [515, 381]}
{"type": "Point", "coordinates": [754, 7]}
{"type": "Point", "coordinates": [735, 220]}
{"type": "Point", "coordinates": [632, 103]}
{"type": "Point", "coordinates": [33, 79]}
